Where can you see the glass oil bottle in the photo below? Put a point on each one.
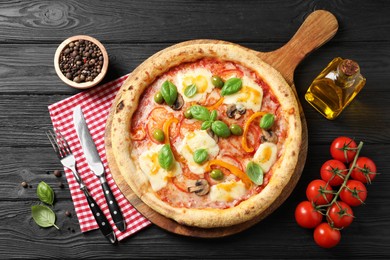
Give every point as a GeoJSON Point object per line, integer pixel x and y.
{"type": "Point", "coordinates": [335, 87]}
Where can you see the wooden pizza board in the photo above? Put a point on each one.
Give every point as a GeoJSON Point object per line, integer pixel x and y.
{"type": "Point", "coordinates": [318, 28]}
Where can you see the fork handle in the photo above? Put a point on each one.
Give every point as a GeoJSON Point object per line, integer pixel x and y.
{"type": "Point", "coordinates": [100, 218]}
{"type": "Point", "coordinates": [113, 206]}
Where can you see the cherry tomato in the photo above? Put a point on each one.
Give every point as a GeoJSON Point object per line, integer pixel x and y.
{"type": "Point", "coordinates": [325, 236]}
{"type": "Point", "coordinates": [333, 171]}
{"type": "Point", "coordinates": [364, 171]}
{"type": "Point", "coordinates": [307, 216]}
{"type": "Point", "coordinates": [340, 214]}
{"type": "Point", "coordinates": [319, 192]}
{"type": "Point", "coordinates": [343, 149]}
{"type": "Point", "coordinates": [354, 194]}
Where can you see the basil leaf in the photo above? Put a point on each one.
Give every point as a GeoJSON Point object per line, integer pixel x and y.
{"type": "Point", "coordinates": [43, 216]}
{"type": "Point", "coordinates": [200, 156]}
{"type": "Point", "coordinates": [45, 193]}
{"type": "Point", "coordinates": [231, 86]}
{"type": "Point", "coordinates": [190, 90]}
{"type": "Point", "coordinates": [165, 157]}
{"type": "Point", "coordinates": [267, 121]}
{"type": "Point", "coordinates": [169, 92]}
{"type": "Point", "coordinates": [200, 113]}
{"type": "Point", "coordinates": [213, 115]}
{"type": "Point", "coordinates": [206, 125]}
{"type": "Point", "coordinates": [220, 129]}
{"type": "Point", "coordinates": [255, 173]}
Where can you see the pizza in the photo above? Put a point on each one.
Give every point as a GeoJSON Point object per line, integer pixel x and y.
{"type": "Point", "coordinates": [206, 134]}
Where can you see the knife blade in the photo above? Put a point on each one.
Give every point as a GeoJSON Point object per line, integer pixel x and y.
{"type": "Point", "coordinates": [95, 164]}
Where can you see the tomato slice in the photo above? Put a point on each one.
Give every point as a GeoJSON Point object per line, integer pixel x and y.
{"type": "Point", "coordinates": [156, 120]}
{"type": "Point", "coordinates": [230, 73]}
{"type": "Point", "coordinates": [185, 180]}
{"type": "Point", "coordinates": [138, 134]}
{"type": "Point", "coordinates": [189, 125]}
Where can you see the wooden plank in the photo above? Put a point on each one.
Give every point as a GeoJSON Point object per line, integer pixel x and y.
{"type": "Point", "coordinates": [156, 21]}
{"type": "Point", "coordinates": [37, 160]}
{"type": "Point", "coordinates": [30, 165]}
{"type": "Point", "coordinates": [20, 237]}
{"type": "Point", "coordinates": [29, 69]}
{"type": "Point", "coordinates": [24, 120]}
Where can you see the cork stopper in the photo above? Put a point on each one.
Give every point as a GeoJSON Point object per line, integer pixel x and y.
{"type": "Point", "coordinates": [349, 67]}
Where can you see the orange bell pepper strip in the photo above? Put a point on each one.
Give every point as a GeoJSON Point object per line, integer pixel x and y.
{"type": "Point", "coordinates": [244, 142]}
{"type": "Point", "coordinates": [233, 169]}
{"type": "Point", "coordinates": [166, 127]}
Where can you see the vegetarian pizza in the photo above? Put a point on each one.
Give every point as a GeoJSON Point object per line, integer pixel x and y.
{"type": "Point", "coordinates": [206, 134]}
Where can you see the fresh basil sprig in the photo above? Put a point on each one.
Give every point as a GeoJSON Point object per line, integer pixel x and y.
{"type": "Point", "coordinates": [231, 86]}
{"type": "Point", "coordinates": [190, 90]}
{"type": "Point", "coordinates": [220, 129]}
{"type": "Point", "coordinates": [45, 193]}
{"type": "Point", "coordinates": [200, 113]}
{"type": "Point", "coordinates": [169, 92]}
{"type": "Point", "coordinates": [255, 173]}
{"type": "Point", "coordinates": [213, 115]}
{"type": "Point", "coordinates": [267, 121]}
{"type": "Point", "coordinates": [43, 216]}
{"type": "Point", "coordinates": [200, 156]}
{"type": "Point", "coordinates": [206, 125]}
{"type": "Point", "coordinates": [165, 157]}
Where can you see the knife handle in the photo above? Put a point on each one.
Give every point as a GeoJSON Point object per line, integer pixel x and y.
{"type": "Point", "coordinates": [100, 218]}
{"type": "Point", "coordinates": [113, 206]}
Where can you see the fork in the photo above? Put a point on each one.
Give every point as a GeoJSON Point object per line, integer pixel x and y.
{"type": "Point", "coordinates": [64, 153]}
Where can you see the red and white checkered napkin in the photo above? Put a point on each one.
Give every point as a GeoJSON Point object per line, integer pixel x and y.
{"type": "Point", "coordinates": [96, 104]}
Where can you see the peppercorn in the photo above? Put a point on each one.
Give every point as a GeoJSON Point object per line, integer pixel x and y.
{"type": "Point", "coordinates": [57, 173]}
{"type": "Point", "coordinates": [78, 61]}
{"type": "Point", "coordinates": [24, 184]}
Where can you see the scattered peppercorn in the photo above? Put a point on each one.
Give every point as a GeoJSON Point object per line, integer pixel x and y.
{"type": "Point", "coordinates": [73, 230]}
{"type": "Point", "coordinates": [57, 173]}
{"type": "Point", "coordinates": [61, 185]}
{"type": "Point", "coordinates": [30, 186]}
{"type": "Point", "coordinates": [47, 172]}
{"type": "Point", "coordinates": [81, 61]}
{"type": "Point", "coordinates": [68, 214]}
{"type": "Point", "coordinates": [24, 184]}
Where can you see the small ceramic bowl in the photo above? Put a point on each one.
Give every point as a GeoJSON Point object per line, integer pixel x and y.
{"type": "Point", "coordinates": [81, 85]}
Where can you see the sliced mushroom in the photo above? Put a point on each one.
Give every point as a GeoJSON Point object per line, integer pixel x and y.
{"type": "Point", "coordinates": [214, 136]}
{"type": "Point", "coordinates": [179, 102]}
{"type": "Point", "coordinates": [201, 187]}
{"type": "Point", "coordinates": [269, 136]}
{"type": "Point", "coordinates": [241, 109]}
{"type": "Point", "coordinates": [235, 111]}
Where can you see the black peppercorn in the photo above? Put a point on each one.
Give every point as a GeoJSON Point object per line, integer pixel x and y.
{"type": "Point", "coordinates": [79, 56]}
{"type": "Point", "coordinates": [57, 173]}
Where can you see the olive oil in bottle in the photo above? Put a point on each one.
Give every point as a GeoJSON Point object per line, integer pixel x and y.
{"type": "Point", "coordinates": [335, 87]}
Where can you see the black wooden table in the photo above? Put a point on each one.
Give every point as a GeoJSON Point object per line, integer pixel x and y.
{"type": "Point", "coordinates": [30, 32]}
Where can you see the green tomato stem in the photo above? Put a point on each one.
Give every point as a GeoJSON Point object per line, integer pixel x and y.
{"type": "Point", "coordinates": [343, 185]}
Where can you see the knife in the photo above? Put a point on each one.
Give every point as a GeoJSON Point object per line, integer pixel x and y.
{"type": "Point", "coordinates": [95, 164]}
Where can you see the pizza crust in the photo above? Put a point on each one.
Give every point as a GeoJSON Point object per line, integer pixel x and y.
{"type": "Point", "coordinates": [143, 76]}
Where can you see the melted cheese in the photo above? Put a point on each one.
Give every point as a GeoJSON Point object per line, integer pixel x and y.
{"type": "Point", "coordinates": [200, 77]}
{"type": "Point", "coordinates": [227, 191]}
{"type": "Point", "coordinates": [250, 96]}
{"type": "Point", "coordinates": [266, 155]}
{"type": "Point", "coordinates": [192, 141]}
{"type": "Point", "coordinates": [158, 177]}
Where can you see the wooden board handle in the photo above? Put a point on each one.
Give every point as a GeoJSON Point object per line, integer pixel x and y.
{"type": "Point", "coordinates": [318, 28]}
